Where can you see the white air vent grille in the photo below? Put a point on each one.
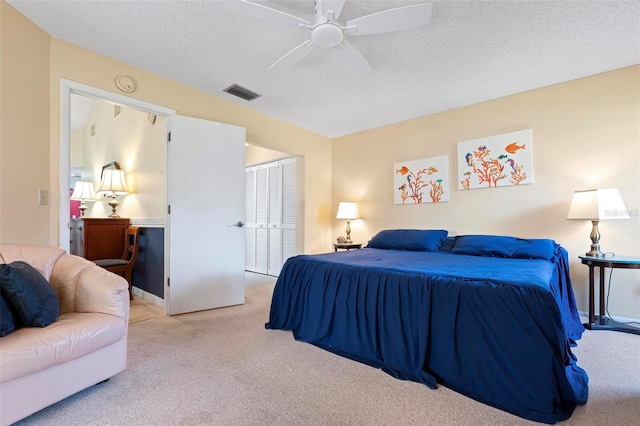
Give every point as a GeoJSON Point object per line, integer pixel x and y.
{"type": "Point", "coordinates": [242, 92]}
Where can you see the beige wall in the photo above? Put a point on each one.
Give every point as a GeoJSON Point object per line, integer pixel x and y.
{"type": "Point", "coordinates": [32, 66]}
{"type": "Point", "coordinates": [139, 147]}
{"type": "Point", "coordinates": [586, 134]}
{"type": "Point", "coordinates": [258, 155]}
{"type": "Point", "coordinates": [24, 129]}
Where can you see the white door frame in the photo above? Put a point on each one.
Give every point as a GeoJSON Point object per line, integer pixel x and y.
{"type": "Point", "coordinates": [68, 87]}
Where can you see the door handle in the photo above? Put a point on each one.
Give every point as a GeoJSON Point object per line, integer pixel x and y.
{"type": "Point", "coordinates": [239, 224]}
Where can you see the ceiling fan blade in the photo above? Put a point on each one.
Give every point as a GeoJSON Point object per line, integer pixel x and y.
{"type": "Point", "coordinates": [386, 21]}
{"type": "Point", "coordinates": [352, 58]}
{"type": "Point", "coordinates": [265, 13]}
{"type": "Point", "coordinates": [334, 5]}
{"type": "Point", "coordinates": [294, 56]}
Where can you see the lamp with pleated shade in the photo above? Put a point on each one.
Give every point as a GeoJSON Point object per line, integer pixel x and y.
{"type": "Point", "coordinates": [83, 191]}
{"type": "Point", "coordinates": [347, 210]}
{"type": "Point", "coordinates": [113, 183]}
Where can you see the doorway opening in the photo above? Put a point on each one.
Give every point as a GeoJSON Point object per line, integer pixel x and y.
{"type": "Point", "coordinates": [103, 132]}
{"type": "Point", "coordinates": [98, 127]}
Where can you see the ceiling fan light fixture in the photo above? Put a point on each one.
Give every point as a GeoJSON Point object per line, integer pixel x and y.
{"type": "Point", "coordinates": [327, 35]}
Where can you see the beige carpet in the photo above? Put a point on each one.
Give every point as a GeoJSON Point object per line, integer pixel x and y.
{"type": "Point", "coordinates": [222, 367]}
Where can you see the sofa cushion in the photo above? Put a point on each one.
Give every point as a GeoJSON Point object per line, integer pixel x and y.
{"type": "Point", "coordinates": [29, 294]}
{"type": "Point", "coordinates": [65, 277]}
{"type": "Point", "coordinates": [43, 258]}
{"type": "Point", "coordinates": [74, 335]}
{"type": "Point", "coordinates": [7, 325]}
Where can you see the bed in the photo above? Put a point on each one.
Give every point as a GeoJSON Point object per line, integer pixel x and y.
{"type": "Point", "coordinates": [491, 317]}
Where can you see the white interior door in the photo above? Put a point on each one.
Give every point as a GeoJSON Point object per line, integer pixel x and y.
{"type": "Point", "coordinates": [206, 196]}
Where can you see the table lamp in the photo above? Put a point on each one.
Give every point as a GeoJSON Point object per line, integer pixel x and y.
{"type": "Point", "coordinates": [347, 210]}
{"type": "Point", "coordinates": [596, 205]}
{"type": "Point", "coordinates": [83, 191]}
{"type": "Point", "coordinates": [112, 184]}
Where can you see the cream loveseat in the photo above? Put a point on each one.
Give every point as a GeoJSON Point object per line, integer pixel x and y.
{"type": "Point", "coordinates": [86, 344]}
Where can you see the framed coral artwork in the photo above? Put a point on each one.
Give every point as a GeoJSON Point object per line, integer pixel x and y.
{"type": "Point", "coordinates": [501, 160]}
{"type": "Point", "coordinates": [421, 181]}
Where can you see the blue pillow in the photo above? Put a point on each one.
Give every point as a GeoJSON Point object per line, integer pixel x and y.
{"type": "Point", "coordinates": [7, 325]}
{"type": "Point", "coordinates": [499, 246]}
{"type": "Point", "coordinates": [33, 300]}
{"type": "Point", "coordinates": [408, 239]}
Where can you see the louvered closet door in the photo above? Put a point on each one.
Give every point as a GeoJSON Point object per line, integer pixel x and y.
{"type": "Point", "coordinates": [270, 215]}
{"type": "Point", "coordinates": [288, 224]}
{"type": "Point", "coordinates": [275, 209]}
{"type": "Point", "coordinates": [262, 216]}
{"type": "Point", "coordinates": [250, 219]}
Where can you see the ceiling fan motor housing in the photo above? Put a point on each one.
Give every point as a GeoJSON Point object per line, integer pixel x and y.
{"type": "Point", "coordinates": [327, 35]}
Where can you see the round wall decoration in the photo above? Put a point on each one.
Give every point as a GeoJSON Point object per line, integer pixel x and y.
{"type": "Point", "coordinates": [125, 83]}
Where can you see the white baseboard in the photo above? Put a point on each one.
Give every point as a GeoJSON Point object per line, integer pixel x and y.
{"type": "Point", "coordinates": [148, 296]}
{"type": "Point", "coordinates": [148, 222]}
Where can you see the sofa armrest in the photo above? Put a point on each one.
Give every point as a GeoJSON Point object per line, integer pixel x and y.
{"type": "Point", "coordinates": [99, 290]}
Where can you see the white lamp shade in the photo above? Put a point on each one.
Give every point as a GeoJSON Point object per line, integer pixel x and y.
{"type": "Point", "coordinates": [83, 191]}
{"type": "Point", "coordinates": [113, 182]}
{"type": "Point", "coordinates": [597, 204]}
{"type": "Point", "coordinates": [347, 210]}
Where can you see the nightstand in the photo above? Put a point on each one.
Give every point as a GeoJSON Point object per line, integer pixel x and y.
{"type": "Point", "coordinates": [346, 246]}
{"type": "Point", "coordinates": [602, 322]}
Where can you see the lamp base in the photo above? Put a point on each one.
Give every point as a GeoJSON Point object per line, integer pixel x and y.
{"type": "Point", "coordinates": [114, 205]}
{"type": "Point", "coordinates": [348, 240]}
{"type": "Point", "coordinates": [593, 253]}
{"type": "Point", "coordinates": [82, 208]}
{"type": "Point", "coordinates": [595, 239]}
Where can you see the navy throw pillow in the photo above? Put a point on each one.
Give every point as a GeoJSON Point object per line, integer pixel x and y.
{"type": "Point", "coordinates": [7, 325]}
{"type": "Point", "coordinates": [409, 239]}
{"type": "Point", "coordinates": [33, 300]}
{"type": "Point", "coordinates": [503, 246]}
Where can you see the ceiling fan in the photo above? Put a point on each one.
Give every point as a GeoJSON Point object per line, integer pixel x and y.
{"type": "Point", "coordinates": [327, 33]}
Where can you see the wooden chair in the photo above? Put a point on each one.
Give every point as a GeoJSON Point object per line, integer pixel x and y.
{"type": "Point", "coordinates": [124, 265]}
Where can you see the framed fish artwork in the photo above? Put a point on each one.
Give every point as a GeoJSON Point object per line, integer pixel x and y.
{"type": "Point", "coordinates": [501, 160]}
{"type": "Point", "coordinates": [421, 181]}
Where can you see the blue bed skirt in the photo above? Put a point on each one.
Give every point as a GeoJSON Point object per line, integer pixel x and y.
{"type": "Point", "coordinates": [498, 330]}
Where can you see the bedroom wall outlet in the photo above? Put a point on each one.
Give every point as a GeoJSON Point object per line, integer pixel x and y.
{"type": "Point", "coordinates": [43, 197]}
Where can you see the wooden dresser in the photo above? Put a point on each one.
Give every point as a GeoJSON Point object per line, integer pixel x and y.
{"type": "Point", "coordinates": [97, 238]}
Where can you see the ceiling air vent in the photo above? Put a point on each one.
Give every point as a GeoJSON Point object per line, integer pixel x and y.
{"type": "Point", "coordinates": [242, 92]}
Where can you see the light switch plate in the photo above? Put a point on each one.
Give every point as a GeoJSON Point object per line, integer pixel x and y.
{"type": "Point", "coordinates": [43, 197]}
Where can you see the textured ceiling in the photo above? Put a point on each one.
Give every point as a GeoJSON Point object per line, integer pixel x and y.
{"type": "Point", "coordinates": [470, 52]}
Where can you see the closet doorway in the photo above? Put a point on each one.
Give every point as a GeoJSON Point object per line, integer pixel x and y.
{"type": "Point", "coordinates": [274, 220]}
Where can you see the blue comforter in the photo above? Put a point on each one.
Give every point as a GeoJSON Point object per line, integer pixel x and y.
{"type": "Point", "coordinates": [498, 330]}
